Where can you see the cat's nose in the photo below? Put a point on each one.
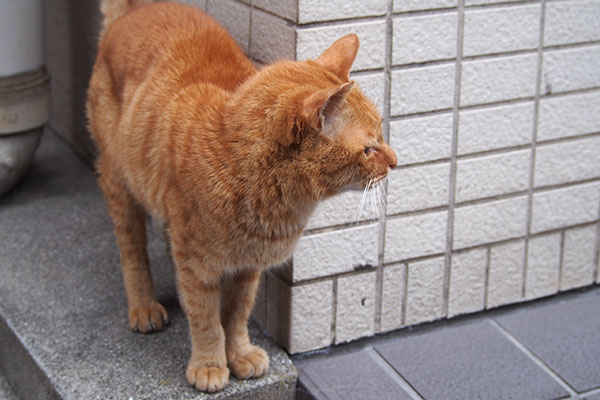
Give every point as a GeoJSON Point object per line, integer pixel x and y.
{"type": "Point", "coordinates": [391, 157]}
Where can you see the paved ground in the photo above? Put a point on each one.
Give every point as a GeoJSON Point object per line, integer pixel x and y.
{"type": "Point", "coordinates": [549, 349]}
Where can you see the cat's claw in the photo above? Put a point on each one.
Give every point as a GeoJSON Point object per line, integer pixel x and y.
{"type": "Point", "coordinates": [207, 379]}
{"type": "Point", "coordinates": [251, 362]}
{"type": "Point", "coordinates": [148, 318]}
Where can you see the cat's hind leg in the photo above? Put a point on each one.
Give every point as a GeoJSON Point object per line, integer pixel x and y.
{"type": "Point", "coordinates": [239, 290]}
{"type": "Point", "coordinates": [129, 221]}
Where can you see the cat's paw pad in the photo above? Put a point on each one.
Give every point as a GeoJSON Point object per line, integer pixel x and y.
{"type": "Point", "coordinates": [250, 363]}
{"type": "Point", "coordinates": [148, 318]}
{"type": "Point", "coordinates": [207, 379]}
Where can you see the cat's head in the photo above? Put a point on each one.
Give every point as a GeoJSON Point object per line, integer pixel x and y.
{"type": "Point", "coordinates": [344, 124]}
{"type": "Point", "coordinates": [320, 118]}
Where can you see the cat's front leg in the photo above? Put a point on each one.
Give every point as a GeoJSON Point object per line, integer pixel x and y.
{"type": "Point", "coordinates": [199, 293]}
{"type": "Point", "coordinates": [239, 290]}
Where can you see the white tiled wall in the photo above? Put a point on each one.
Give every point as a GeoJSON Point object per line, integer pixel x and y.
{"type": "Point", "coordinates": [493, 108]}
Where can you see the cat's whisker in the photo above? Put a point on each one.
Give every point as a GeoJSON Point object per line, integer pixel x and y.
{"type": "Point", "coordinates": [362, 201]}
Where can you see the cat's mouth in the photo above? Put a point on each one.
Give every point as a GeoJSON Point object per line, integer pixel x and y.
{"type": "Point", "coordinates": [371, 182]}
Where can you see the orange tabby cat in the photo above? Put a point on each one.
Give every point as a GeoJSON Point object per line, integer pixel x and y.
{"type": "Point", "coordinates": [232, 159]}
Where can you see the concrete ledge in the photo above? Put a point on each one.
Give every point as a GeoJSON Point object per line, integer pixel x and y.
{"type": "Point", "coordinates": [63, 316]}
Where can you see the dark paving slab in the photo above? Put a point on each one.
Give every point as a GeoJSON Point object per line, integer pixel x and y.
{"type": "Point", "coordinates": [595, 396]}
{"type": "Point", "coordinates": [350, 376]}
{"type": "Point", "coordinates": [63, 315]}
{"type": "Point", "coordinates": [468, 361]}
{"type": "Point", "coordinates": [565, 334]}
{"type": "Point", "coordinates": [6, 392]}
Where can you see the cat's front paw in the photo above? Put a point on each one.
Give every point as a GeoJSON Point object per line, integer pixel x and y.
{"type": "Point", "coordinates": [151, 317]}
{"type": "Point", "coordinates": [207, 379]}
{"type": "Point", "coordinates": [249, 362]}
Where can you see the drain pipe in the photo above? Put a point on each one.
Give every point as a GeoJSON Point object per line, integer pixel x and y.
{"type": "Point", "coordinates": [24, 87]}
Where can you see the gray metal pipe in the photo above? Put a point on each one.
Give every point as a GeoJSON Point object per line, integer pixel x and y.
{"type": "Point", "coordinates": [24, 87]}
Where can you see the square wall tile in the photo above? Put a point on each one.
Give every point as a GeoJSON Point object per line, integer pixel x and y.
{"type": "Point", "coordinates": [498, 30]}
{"type": "Point", "coordinates": [331, 253]}
{"type": "Point", "coordinates": [392, 297]}
{"type": "Point", "coordinates": [287, 9]}
{"type": "Point", "coordinates": [235, 17]}
{"type": "Point", "coordinates": [424, 38]}
{"type": "Point", "coordinates": [271, 38]}
{"type": "Point", "coordinates": [311, 42]}
{"type": "Point", "coordinates": [571, 22]}
{"type": "Point", "coordinates": [467, 282]}
{"type": "Point", "coordinates": [196, 3]}
{"type": "Point", "coordinates": [497, 79]}
{"type": "Point", "coordinates": [259, 311]}
{"type": "Point", "coordinates": [424, 291]}
{"type": "Point", "coordinates": [278, 308]}
{"type": "Point", "coordinates": [569, 115]}
{"type": "Point", "coordinates": [567, 161]}
{"type": "Point", "coordinates": [373, 86]}
{"type": "Point", "coordinates": [355, 309]}
{"type": "Point", "coordinates": [579, 257]}
{"type": "Point", "coordinates": [490, 222]}
{"type": "Point", "coordinates": [543, 265]}
{"type": "Point", "coordinates": [415, 236]}
{"type": "Point", "coordinates": [422, 139]}
{"type": "Point", "coordinates": [343, 208]}
{"type": "Point", "coordinates": [505, 279]}
{"type": "Point", "coordinates": [564, 207]}
{"type": "Point", "coordinates": [483, 2]}
{"type": "Point", "coordinates": [311, 316]}
{"type": "Point", "coordinates": [493, 128]}
{"type": "Point", "coordinates": [422, 89]}
{"type": "Point", "coordinates": [317, 10]}
{"type": "Point", "coordinates": [570, 69]}
{"type": "Point", "coordinates": [492, 175]}
{"type": "Point", "coordinates": [416, 5]}
{"type": "Point", "coordinates": [418, 188]}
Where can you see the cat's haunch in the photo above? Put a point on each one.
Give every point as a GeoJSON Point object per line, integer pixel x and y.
{"type": "Point", "coordinates": [232, 159]}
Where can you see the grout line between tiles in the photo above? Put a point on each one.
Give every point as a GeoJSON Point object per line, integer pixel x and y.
{"type": "Point", "coordinates": [486, 276]}
{"type": "Point", "coordinates": [404, 296]}
{"type": "Point", "coordinates": [314, 386]}
{"type": "Point", "coordinates": [334, 288]}
{"type": "Point", "coordinates": [392, 373]}
{"type": "Point", "coordinates": [597, 258]}
{"type": "Point", "coordinates": [453, 158]}
{"type": "Point", "coordinates": [534, 134]}
{"type": "Point", "coordinates": [538, 361]}
{"type": "Point", "coordinates": [498, 103]}
{"type": "Point", "coordinates": [561, 259]}
{"type": "Point", "coordinates": [386, 137]}
{"type": "Point", "coordinates": [590, 392]}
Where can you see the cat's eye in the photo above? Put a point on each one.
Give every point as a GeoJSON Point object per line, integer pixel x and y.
{"type": "Point", "coordinates": [369, 150]}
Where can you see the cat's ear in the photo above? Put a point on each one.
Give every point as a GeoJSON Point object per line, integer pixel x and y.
{"type": "Point", "coordinates": [321, 107]}
{"type": "Point", "coordinates": [339, 57]}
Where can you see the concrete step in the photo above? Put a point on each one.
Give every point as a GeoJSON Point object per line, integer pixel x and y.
{"type": "Point", "coordinates": [63, 315]}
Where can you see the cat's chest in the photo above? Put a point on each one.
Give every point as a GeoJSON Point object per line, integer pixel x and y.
{"type": "Point", "coordinates": [263, 251]}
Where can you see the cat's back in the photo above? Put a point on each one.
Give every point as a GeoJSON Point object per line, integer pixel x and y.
{"type": "Point", "coordinates": [175, 43]}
